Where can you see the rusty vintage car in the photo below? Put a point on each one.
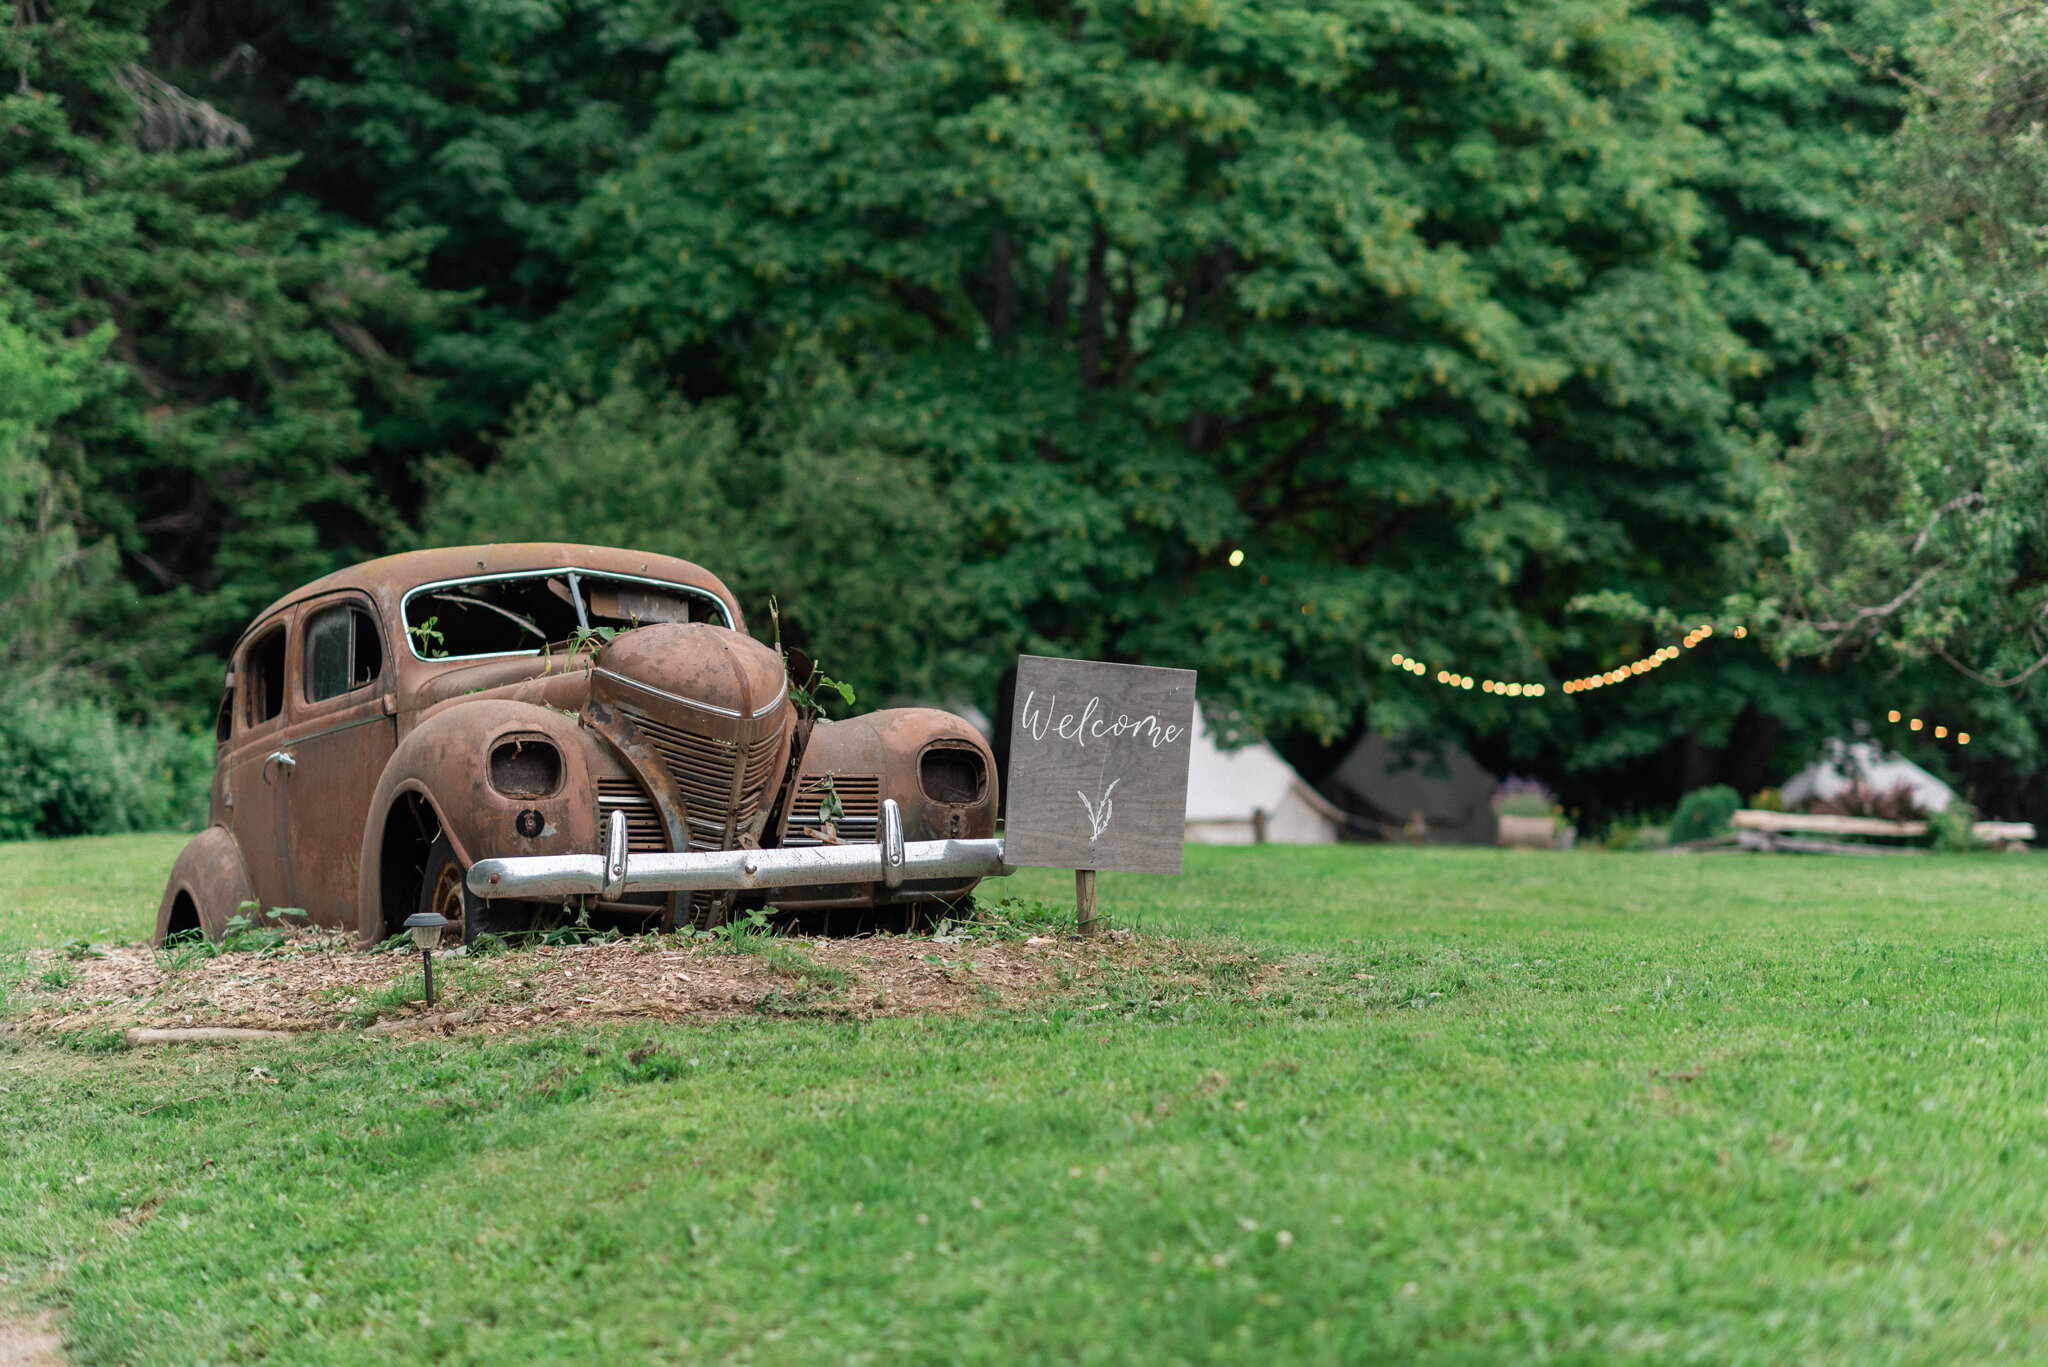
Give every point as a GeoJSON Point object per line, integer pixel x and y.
{"type": "Point", "coordinates": [507, 734]}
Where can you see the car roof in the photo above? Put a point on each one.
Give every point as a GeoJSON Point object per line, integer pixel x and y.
{"type": "Point", "coordinates": [388, 578]}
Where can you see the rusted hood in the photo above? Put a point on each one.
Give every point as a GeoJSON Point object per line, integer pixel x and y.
{"type": "Point", "coordinates": [690, 664]}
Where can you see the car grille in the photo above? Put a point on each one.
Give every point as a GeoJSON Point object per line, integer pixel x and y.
{"type": "Point", "coordinates": [704, 770]}
{"type": "Point", "coordinates": [859, 794]}
{"type": "Point", "coordinates": [645, 833]}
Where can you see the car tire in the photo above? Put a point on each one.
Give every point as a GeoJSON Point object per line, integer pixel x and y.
{"type": "Point", "coordinates": [444, 890]}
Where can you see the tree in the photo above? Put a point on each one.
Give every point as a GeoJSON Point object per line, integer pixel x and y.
{"type": "Point", "coordinates": [43, 569]}
{"type": "Point", "coordinates": [1443, 317]}
{"type": "Point", "coordinates": [1915, 512]}
{"type": "Point", "coordinates": [218, 439]}
{"type": "Point", "coordinates": [803, 507]}
{"type": "Point", "coordinates": [1440, 319]}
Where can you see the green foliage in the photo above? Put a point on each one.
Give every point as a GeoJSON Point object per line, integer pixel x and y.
{"type": "Point", "coordinates": [801, 508]}
{"type": "Point", "coordinates": [43, 569]}
{"type": "Point", "coordinates": [216, 434]}
{"type": "Point", "coordinates": [987, 327]}
{"type": "Point", "coordinates": [967, 329]}
{"type": "Point", "coordinates": [1953, 829]}
{"type": "Point", "coordinates": [1704, 813]}
{"type": "Point", "coordinates": [1527, 804]}
{"type": "Point", "coordinates": [242, 935]}
{"type": "Point", "coordinates": [72, 768]}
{"type": "Point", "coordinates": [1913, 511]}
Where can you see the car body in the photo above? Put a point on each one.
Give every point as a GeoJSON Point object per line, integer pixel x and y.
{"type": "Point", "coordinates": [384, 728]}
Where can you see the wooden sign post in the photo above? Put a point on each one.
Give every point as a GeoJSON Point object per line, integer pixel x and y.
{"type": "Point", "coordinates": [1098, 770]}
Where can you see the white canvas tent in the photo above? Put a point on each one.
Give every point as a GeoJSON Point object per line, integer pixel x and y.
{"type": "Point", "coordinates": [1841, 764]}
{"type": "Point", "coordinates": [1242, 796]}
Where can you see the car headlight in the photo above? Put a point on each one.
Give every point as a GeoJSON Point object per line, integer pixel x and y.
{"type": "Point", "coordinates": [952, 774]}
{"type": "Point", "coordinates": [526, 767]}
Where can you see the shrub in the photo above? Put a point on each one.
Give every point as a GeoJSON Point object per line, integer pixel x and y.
{"type": "Point", "coordinates": [1644, 837]}
{"type": "Point", "coordinates": [74, 768]}
{"type": "Point", "coordinates": [1953, 829]}
{"type": "Point", "coordinates": [1703, 813]}
{"type": "Point", "coordinates": [1523, 797]}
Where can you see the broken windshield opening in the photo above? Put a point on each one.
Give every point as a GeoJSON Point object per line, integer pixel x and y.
{"type": "Point", "coordinates": [526, 614]}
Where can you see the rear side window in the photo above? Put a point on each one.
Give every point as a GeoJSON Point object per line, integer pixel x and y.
{"type": "Point", "coordinates": [343, 651]}
{"type": "Point", "coordinates": [224, 720]}
{"type": "Point", "coordinates": [265, 686]}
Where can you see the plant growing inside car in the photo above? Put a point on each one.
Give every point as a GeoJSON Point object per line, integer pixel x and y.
{"type": "Point", "coordinates": [805, 694]}
{"type": "Point", "coordinates": [432, 642]}
{"type": "Point", "coordinates": [583, 645]}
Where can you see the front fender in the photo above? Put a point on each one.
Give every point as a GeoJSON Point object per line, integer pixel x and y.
{"type": "Point", "coordinates": [444, 763]}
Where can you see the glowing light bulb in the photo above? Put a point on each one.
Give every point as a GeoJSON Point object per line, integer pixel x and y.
{"type": "Point", "coordinates": [1892, 715]}
{"type": "Point", "coordinates": [1940, 731]}
{"type": "Point", "coordinates": [1399, 658]}
{"type": "Point", "coordinates": [1741, 632]}
{"type": "Point", "coordinates": [1962, 738]}
{"type": "Point", "coordinates": [1914, 724]}
{"type": "Point", "coordinates": [1236, 559]}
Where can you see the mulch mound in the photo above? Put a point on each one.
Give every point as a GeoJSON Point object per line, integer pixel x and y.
{"type": "Point", "coordinates": [319, 982]}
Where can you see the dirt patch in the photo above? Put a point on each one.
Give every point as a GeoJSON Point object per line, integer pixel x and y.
{"type": "Point", "coordinates": [317, 983]}
{"type": "Point", "coordinates": [30, 1343]}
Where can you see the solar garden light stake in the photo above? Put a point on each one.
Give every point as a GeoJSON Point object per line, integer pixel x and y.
{"type": "Point", "coordinates": [426, 933]}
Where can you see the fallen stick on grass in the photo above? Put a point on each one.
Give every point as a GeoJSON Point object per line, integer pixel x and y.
{"type": "Point", "coordinates": [202, 1034]}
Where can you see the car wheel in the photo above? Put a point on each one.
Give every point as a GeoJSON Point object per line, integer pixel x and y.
{"type": "Point", "coordinates": [443, 891]}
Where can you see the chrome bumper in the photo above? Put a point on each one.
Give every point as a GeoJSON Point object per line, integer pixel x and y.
{"type": "Point", "coordinates": [616, 872]}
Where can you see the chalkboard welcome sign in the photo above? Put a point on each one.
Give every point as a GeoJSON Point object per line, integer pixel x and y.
{"type": "Point", "coordinates": [1099, 765]}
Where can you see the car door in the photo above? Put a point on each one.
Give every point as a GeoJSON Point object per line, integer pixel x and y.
{"type": "Point", "coordinates": [340, 735]}
{"type": "Point", "coordinates": [254, 771]}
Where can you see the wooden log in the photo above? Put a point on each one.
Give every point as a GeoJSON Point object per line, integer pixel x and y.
{"type": "Point", "coordinates": [1084, 901]}
{"type": "Point", "coordinates": [203, 1034]}
{"type": "Point", "coordinates": [1822, 823]}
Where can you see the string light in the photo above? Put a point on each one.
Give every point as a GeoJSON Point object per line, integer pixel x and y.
{"type": "Point", "coordinates": [1509, 688]}
{"type": "Point", "coordinates": [1504, 687]}
{"type": "Point", "coordinates": [1663, 656]}
{"type": "Point", "coordinates": [1620, 674]}
{"type": "Point", "coordinates": [1236, 558]}
{"type": "Point", "coordinates": [1920, 723]}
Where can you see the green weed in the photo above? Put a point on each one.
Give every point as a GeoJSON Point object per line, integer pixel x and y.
{"type": "Point", "coordinates": [394, 997]}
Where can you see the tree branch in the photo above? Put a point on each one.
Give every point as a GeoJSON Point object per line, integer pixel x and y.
{"type": "Point", "coordinates": [1970, 673]}
{"type": "Point", "coordinates": [1968, 500]}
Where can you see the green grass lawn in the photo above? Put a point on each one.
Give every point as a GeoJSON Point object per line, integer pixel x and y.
{"type": "Point", "coordinates": [95, 888]}
{"type": "Point", "coordinates": [1493, 1107]}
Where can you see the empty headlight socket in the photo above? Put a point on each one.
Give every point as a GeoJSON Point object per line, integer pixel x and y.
{"type": "Point", "coordinates": [525, 767]}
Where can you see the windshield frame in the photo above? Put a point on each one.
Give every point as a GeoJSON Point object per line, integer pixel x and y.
{"type": "Point", "coordinates": [575, 575]}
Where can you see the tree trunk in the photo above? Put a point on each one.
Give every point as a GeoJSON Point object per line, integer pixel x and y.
{"type": "Point", "coordinates": [1091, 311]}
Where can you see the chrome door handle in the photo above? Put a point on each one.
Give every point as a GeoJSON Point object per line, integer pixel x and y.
{"type": "Point", "coordinates": [278, 757]}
